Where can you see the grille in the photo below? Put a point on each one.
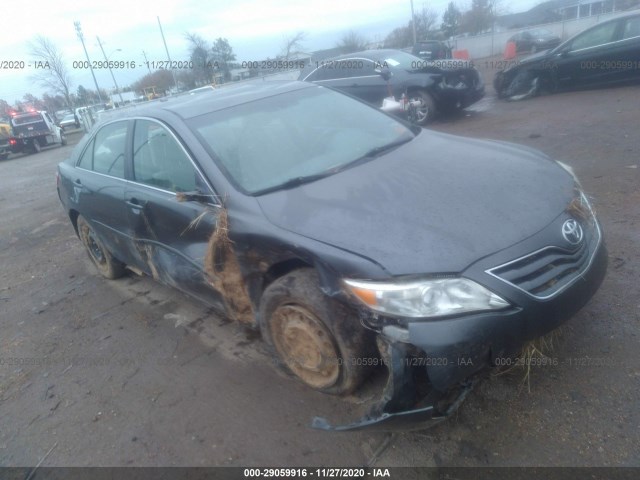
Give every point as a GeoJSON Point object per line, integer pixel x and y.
{"type": "Point", "coordinates": [550, 270]}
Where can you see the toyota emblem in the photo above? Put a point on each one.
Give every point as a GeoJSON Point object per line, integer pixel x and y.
{"type": "Point", "coordinates": [572, 231]}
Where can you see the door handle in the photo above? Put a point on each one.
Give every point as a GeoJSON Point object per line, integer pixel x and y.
{"type": "Point", "coordinates": [77, 182]}
{"type": "Point", "coordinates": [135, 203]}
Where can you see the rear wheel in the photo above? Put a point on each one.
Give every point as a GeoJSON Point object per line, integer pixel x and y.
{"type": "Point", "coordinates": [316, 338]}
{"type": "Point", "coordinates": [63, 138]}
{"type": "Point", "coordinates": [35, 145]}
{"type": "Point", "coordinates": [108, 266]}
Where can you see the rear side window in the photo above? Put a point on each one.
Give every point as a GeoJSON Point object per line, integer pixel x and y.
{"type": "Point", "coordinates": [631, 28]}
{"type": "Point", "coordinates": [160, 161]}
{"type": "Point", "coordinates": [105, 153]}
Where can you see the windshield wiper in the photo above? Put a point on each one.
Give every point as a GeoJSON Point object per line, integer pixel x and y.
{"type": "Point", "coordinates": [294, 182]}
{"type": "Point", "coordinates": [374, 152]}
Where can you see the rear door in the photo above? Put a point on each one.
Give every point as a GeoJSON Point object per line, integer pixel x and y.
{"type": "Point", "coordinates": [169, 230]}
{"type": "Point", "coordinates": [98, 184]}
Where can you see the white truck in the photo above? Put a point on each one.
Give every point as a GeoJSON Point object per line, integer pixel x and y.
{"type": "Point", "coordinates": [30, 131]}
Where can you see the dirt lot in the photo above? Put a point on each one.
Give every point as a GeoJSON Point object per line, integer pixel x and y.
{"type": "Point", "coordinates": [132, 373]}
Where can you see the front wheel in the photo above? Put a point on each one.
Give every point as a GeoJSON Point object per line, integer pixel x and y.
{"type": "Point", "coordinates": [63, 138]}
{"type": "Point", "coordinates": [524, 85]}
{"type": "Point", "coordinates": [316, 338]}
{"type": "Point", "coordinates": [108, 266]}
{"type": "Point", "coordinates": [425, 110]}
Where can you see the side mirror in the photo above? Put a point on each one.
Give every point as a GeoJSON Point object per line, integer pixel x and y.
{"type": "Point", "coordinates": [386, 74]}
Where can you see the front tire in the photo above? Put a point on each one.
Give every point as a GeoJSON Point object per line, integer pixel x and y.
{"type": "Point", "coordinates": [316, 338]}
{"type": "Point", "coordinates": [108, 266]}
{"type": "Point", "coordinates": [524, 85]}
{"type": "Point", "coordinates": [426, 112]}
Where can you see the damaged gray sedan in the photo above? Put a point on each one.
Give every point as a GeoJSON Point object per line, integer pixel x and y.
{"type": "Point", "coordinates": [346, 236]}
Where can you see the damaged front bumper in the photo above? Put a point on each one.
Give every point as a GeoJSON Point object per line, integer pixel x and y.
{"type": "Point", "coordinates": [447, 355]}
{"type": "Point", "coordinates": [399, 408]}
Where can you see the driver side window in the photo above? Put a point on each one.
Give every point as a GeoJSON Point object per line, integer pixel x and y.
{"type": "Point", "coordinates": [597, 36]}
{"type": "Point", "coordinates": [160, 161]}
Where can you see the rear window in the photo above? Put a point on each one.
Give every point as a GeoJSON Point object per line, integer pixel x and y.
{"type": "Point", "coordinates": [24, 119]}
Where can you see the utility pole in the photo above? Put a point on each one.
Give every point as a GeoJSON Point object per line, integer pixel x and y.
{"type": "Point", "coordinates": [413, 23]}
{"type": "Point", "coordinates": [175, 82]}
{"type": "Point", "coordinates": [144, 54]}
{"type": "Point", "coordinates": [110, 70]}
{"type": "Point", "coordinates": [81, 37]}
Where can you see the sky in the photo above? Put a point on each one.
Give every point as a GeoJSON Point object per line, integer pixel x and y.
{"type": "Point", "coordinates": [256, 29]}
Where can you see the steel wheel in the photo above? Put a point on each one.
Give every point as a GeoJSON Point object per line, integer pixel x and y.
{"type": "Point", "coordinates": [314, 337]}
{"type": "Point", "coordinates": [305, 345]}
{"type": "Point", "coordinates": [108, 266]}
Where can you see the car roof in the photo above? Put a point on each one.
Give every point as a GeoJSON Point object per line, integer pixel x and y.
{"type": "Point", "coordinates": [189, 106]}
{"type": "Point", "coordinates": [379, 54]}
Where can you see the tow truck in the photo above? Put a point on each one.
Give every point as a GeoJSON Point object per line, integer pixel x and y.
{"type": "Point", "coordinates": [33, 130]}
{"type": "Point", "coordinates": [5, 135]}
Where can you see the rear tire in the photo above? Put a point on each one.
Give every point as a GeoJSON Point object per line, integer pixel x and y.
{"type": "Point", "coordinates": [35, 145]}
{"type": "Point", "coordinates": [316, 338]}
{"type": "Point", "coordinates": [63, 138]}
{"type": "Point", "coordinates": [108, 266]}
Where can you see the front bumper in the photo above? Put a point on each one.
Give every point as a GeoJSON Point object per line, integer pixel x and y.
{"type": "Point", "coordinates": [451, 352]}
{"type": "Point", "coordinates": [459, 347]}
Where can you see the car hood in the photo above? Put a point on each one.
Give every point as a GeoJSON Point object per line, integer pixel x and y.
{"type": "Point", "coordinates": [532, 59]}
{"type": "Point", "coordinates": [436, 204]}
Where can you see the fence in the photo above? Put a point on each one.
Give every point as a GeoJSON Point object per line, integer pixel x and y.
{"type": "Point", "coordinates": [490, 44]}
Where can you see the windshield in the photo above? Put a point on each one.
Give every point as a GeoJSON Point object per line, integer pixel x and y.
{"type": "Point", "coordinates": [306, 133]}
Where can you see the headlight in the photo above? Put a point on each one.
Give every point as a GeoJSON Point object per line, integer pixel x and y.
{"type": "Point", "coordinates": [427, 298]}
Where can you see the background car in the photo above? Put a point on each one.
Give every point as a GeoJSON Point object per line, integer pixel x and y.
{"type": "Point", "coordinates": [535, 40]}
{"type": "Point", "coordinates": [604, 54]}
{"type": "Point", "coordinates": [374, 75]}
{"type": "Point", "coordinates": [431, 50]}
{"type": "Point", "coordinates": [345, 236]}
{"type": "Point", "coordinates": [69, 121]}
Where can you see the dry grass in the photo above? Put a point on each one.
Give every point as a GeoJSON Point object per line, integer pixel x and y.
{"type": "Point", "coordinates": [534, 353]}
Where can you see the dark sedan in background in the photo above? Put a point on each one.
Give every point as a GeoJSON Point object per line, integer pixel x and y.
{"type": "Point", "coordinates": [431, 50]}
{"type": "Point", "coordinates": [349, 238]}
{"type": "Point", "coordinates": [535, 40]}
{"type": "Point", "coordinates": [606, 53]}
{"type": "Point", "coordinates": [374, 75]}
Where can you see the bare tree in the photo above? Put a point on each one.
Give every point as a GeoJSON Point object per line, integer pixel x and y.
{"type": "Point", "coordinates": [202, 71]}
{"type": "Point", "coordinates": [293, 44]}
{"type": "Point", "coordinates": [351, 42]}
{"type": "Point", "coordinates": [53, 73]}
